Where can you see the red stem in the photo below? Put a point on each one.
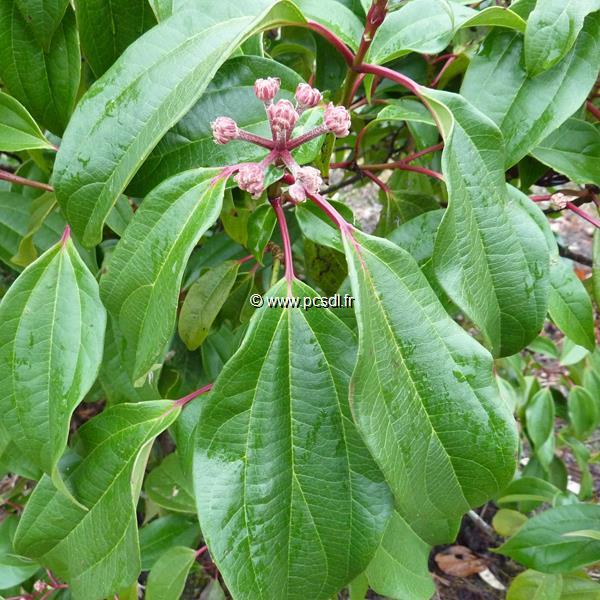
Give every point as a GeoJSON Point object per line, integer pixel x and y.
{"type": "Point", "coordinates": [578, 211]}
{"type": "Point", "coordinates": [541, 198]}
{"type": "Point", "coordinates": [399, 78]}
{"type": "Point", "coordinates": [334, 40]}
{"type": "Point", "coordinates": [423, 152]}
{"type": "Point", "coordinates": [332, 213]}
{"type": "Point", "coordinates": [306, 137]}
{"type": "Point", "coordinates": [287, 244]}
{"type": "Point", "coordinates": [201, 551]}
{"type": "Point", "coordinates": [382, 185]}
{"type": "Point", "coordinates": [442, 71]}
{"type": "Point", "coordinates": [203, 390]}
{"type": "Point", "coordinates": [256, 139]}
{"type": "Point", "coordinates": [241, 261]}
{"type": "Point", "coordinates": [7, 176]}
{"type": "Point", "coordinates": [404, 167]}
{"type": "Point", "coordinates": [593, 110]}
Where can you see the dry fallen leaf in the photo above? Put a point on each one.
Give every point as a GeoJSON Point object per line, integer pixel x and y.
{"type": "Point", "coordinates": [459, 561]}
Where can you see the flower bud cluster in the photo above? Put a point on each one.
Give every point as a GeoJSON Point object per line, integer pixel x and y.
{"type": "Point", "coordinates": [283, 117]}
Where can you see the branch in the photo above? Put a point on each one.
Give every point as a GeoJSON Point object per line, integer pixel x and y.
{"type": "Point", "coordinates": [7, 176]}
{"type": "Point", "coordinates": [287, 244]}
{"type": "Point", "coordinates": [580, 258]}
{"type": "Point", "coordinates": [334, 40]}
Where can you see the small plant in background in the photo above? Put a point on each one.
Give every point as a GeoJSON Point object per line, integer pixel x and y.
{"type": "Point", "coordinates": [289, 306]}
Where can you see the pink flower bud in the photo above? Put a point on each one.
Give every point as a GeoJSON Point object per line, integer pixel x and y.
{"type": "Point", "coordinates": [337, 120]}
{"type": "Point", "coordinates": [307, 96]}
{"type": "Point", "coordinates": [251, 178]}
{"type": "Point", "coordinates": [297, 192]}
{"type": "Point", "coordinates": [266, 89]}
{"type": "Point", "coordinates": [224, 130]}
{"type": "Point", "coordinates": [283, 118]}
{"type": "Point", "coordinates": [310, 178]}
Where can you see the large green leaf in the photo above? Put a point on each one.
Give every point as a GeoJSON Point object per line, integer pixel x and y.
{"type": "Point", "coordinates": [50, 350]}
{"type": "Point", "coordinates": [423, 394]}
{"type": "Point", "coordinates": [165, 532]}
{"type": "Point", "coordinates": [541, 543]}
{"type": "Point", "coordinates": [570, 306]}
{"type": "Point", "coordinates": [399, 568]}
{"type": "Point", "coordinates": [573, 149]}
{"type": "Point", "coordinates": [43, 18]}
{"type": "Point", "coordinates": [45, 83]}
{"type": "Point", "coordinates": [428, 26]}
{"type": "Point", "coordinates": [493, 270]}
{"type": "Point", "coordinates": [15, 211]}
{"type": "Point", "coordinates": [528, 109]}
{"type": "Point", "coordinates": [94, 547]}
{"type": "Point", "coordinates": [18, 131]}
{"type": "Point", "coordinates": [141, 285]}
{"type": "Point", "coordinates": [167, 577]}
{"type": "Point", "coordinates": [190, 142]}
{"type": "Point", "coordinates": [168, 486]}
{"type": "Point", "coordinates": [552, 28]}
{"type": "Point", "coordinates": [13, 569]}
{"type": "Point", "coordinates": [150, 87]}
{"type": "Point", "coordinates": [107, 27]}
{"type": "Point", "coordinates": [280, 472]}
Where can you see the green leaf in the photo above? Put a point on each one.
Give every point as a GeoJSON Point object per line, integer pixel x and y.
{"type": "Point", "coordinates": [574, 150]}
{"type": "Point", "coordinates": [150, 87]}
{"type": "Point", "coordinates": [13, 569]}
{"type": "Point", "coordinates": [539, 586]}
{"type": "Point", "coordinates": [167, 577]}
{"type": "Point", "coordinates": [570, 306]}
{"type": "Point", "coordinates": [107, 27]}
{"type": "Point", "coordinates": [541, 544]}
{"type": "Point", "coordinates": [190, 142]}
{"type": "Point", "coordinates": [164, 532]}
{"type": "Point", "coordinates": [46, 83]}
{"type": "Point", "coordinates": [539, 413]}
{"type": "Point", "coordinates": [528, 488]}
{"type": "Point", "coordinates": [213, 591]}
{"type": "Point", "coordinates": [43, 18]}
{"type": "Point", "coordinates": [18, 130]}
{"type": "Point", "coordinates": [167, 486]}
{"type": "Point", "coordinates": [506, 521]}
{"type": "Point", "coordinates": [108, 448]}
{"type": "Point", "coordinates": [203, 302]}
{"type": "Point", "coordinates": [358, 588]}
{"type": "Point", "coordinates": [41, 208]}
{"type": "Point", "coordinates": [261, 224]}
{"type": "Point", "coordinates": [578, 586]}
{"type": "Point", "coordinates": [482, 259]}
{"type": "Point", "coordinates": [50, 351]}
{"type": "Point", "coordinates": [140, 288]}
{"type": "Point", "coordinates": [584, 412]}
{"type": "Point", "coordinates": [528, 109]}
{"type": "Point", "coordinates": [336, 17]}
{"type": "Point", "coordinates": [399, 568]}
{"type": "Point", "coordinates": [317, 227]}
{"type": "Point", "coordinates": [428, 26]}
{"type": "Point", "coordinates": [454, 426]}
{"type": "Point", "coordinates": [596, 267]}
{"type": "Point", "coordinates": [592, 534]}
{"type": "Point", "coordinates": [552, 28]}
{"type": "Point", "coordinates": [15, 214]}
{"type": "Point", "coordinates": [280, 472]}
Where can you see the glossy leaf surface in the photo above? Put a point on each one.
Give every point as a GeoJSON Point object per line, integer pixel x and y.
{"type": "Point", "coordinates": [280, 472]}
{"type": "Point", "coordinates": [123, 115]}
{"type": "Point", "coordinates": [552, 28]}
{"type": "Point", "coordinates": [50, 350]}
{"type": "Point", "coordinates": [497, 275]}
{"type": "Point", "coordinates": [18, 131]}
{"type": "Point", "coordinates": [106, 28]}
{"type": "Point", "coordinates": [43, 18]}
{"type": "Point", "coordinates": [108, 447]}
{"type": "Point", "coordinates": [541, 543]}
{"type": "Point", "coordinates": [167, 577]}
{"type": "Point", "coordinates": [45, 83]}
{"type": "Point", "coordinates": [573, 149]}
{"type": "Point", "coordinates": [528, 109]}
{"type": "Point", "coordinates": [423, 394]}
{"type": "Point", "coordinates": [141, 285]}
{"type": "Point", "coordinates": [399, 568]}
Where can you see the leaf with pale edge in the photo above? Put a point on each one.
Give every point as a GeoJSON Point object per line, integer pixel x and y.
{"type": "Point", "coordinates": [167, 577]}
